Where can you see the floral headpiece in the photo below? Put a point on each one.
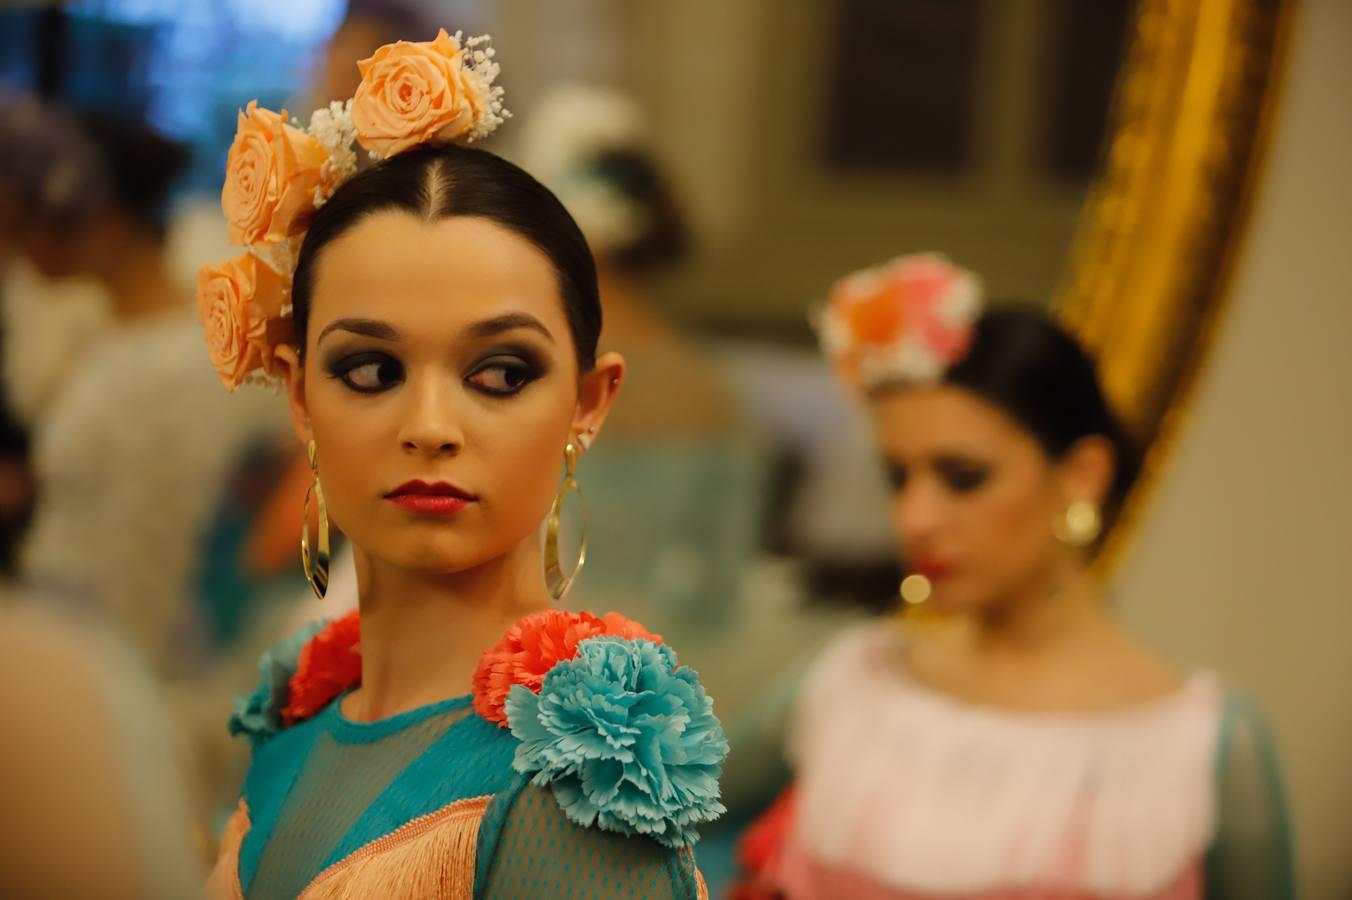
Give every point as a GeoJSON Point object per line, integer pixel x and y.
{"type": "Point", "coordinates": [905, 321]}
{"type": "Point", "coordinates": [279, 173]}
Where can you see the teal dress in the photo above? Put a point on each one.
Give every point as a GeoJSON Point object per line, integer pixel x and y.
{"type": "Point", "coordinates": [585, 779]}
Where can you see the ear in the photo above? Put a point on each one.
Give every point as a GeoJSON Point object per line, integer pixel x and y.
{"type": "Point", "coordinates": [1087, 470]}
{"type": "Point", "coordinates": [293, 372]}
{"type": "Point", "coordinates": [597, 390]}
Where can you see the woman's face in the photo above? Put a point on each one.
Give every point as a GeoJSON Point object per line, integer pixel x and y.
{"type": "Point", "coordinates": [440, 386]}
{"type": "Point", "coordinates": [975, 496]}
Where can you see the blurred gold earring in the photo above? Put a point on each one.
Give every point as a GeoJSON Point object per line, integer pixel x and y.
{"type": "Point", "coordinates": [316, 568]}
{"type": "Point", "coordinates": [916, 589]}
{"type": "Point", "coordinates": [558, 582]}
{"type": "Point", "coordinates": [1080, 526]}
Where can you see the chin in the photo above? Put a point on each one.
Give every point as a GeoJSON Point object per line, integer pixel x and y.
{"type": "Point", "coordinates": [440, 548]}
{"type": "Point", "coordinates": [956, 597]}
{"type": "Point", "coordinates": [438, 557]}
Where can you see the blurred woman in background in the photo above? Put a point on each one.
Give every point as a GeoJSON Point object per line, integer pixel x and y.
{"type": "Point", "coordinates": [95, 805]}
{"type": "Point", "coordinates": [1027, 746]}
{"type": "Point", "coordinates": [674, 485]}
{"type": "Point", "coordinates": [132, 445]}
{"type": "Point", "coordinates": [678, 489]}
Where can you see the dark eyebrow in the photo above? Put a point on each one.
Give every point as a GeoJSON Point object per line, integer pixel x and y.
{"type": "Point", "coordinates": [508, 322]}
{"type": "Point", "coordinates": [369, 327]}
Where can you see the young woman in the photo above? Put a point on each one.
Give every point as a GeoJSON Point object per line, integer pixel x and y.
{"type": "Point", "coordinates": [439, 358]}
{"type": "Point", "coordinates": [1027, 747]}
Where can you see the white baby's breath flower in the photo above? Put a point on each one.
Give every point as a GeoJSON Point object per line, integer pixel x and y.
{"type": "Point", "coordinates": [332, 126]}
{"type": "Point", "coordinates": [280, 256]}
{"type": "Point", "coordinates": [482, 70]}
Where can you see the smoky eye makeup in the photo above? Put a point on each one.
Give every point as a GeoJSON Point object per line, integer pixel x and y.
{"type": "Point", "coordinates": [963, 475]}
{"type": "Point", "coordinates": [364, 371]}
{"type": "Point", "coordinates": [505, 371]}
{"type": "Point", "coordinates": [896, 474]}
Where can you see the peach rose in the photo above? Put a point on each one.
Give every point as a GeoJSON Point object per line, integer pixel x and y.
{"type": "Point", "coordinates": [869, 308]}
{"type": "Point", "coordinates": [413, 94]}
{"type": "Point", "coordinates": [879, 305]}
{"type": "Point", "coordinates": [240, 304]}
{"type": "Point", "coordinates": [271, 178]}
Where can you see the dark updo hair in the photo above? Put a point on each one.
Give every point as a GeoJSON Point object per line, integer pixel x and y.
{"type": "Point", "coordinates": [65, 168]}
{"type": "Point", "coordinates": [665, 239]}
{"type": "Point", "coordinates": [446, 182]}
{"type": "Point", "coordinates": [141, 166]}
{"type": "Point", "coordinates": [1027, 365]}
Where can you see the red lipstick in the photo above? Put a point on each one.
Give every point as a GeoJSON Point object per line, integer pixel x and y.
{"type": "Point", "coordinates": [437, 499]}
{"type": "Point", "coordinates": [933, 569]}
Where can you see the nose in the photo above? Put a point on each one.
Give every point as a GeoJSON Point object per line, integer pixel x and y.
{"type": "Point", "coordinates": [430, 426]}
{"type": "Point", "coordinates": [916, 513]}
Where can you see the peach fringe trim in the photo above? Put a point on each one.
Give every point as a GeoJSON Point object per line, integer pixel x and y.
{"type": "Point", "coordinates": [223, 883]}
{"type": "Point", "coordinates": [702, 889]}
{"type": "Point", "coordinates": [430, 857]}
{"type": "Point", "coordinates": [433, 856]}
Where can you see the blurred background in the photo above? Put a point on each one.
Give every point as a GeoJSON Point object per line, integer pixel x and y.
{"type": "Point", "coordinates": [748, 153]}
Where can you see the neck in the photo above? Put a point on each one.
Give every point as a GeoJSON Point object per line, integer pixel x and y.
{"type": "Point", "coordinates": [422, 635]}
{"type": "Point", "coordinates": [1057, 605]}
{"type": "Point", "coordinates": [139, 288]}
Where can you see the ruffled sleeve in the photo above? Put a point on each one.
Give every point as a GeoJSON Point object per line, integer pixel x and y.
{"type": "Point", "coordinates": [620, 755]}
{"type": "Point", "coordinates": [299, 676]}
{"type": "Point", "coordinates": [1251, 855]}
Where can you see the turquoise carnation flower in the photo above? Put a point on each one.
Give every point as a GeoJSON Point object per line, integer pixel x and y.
{"type": "Point", "coordinates": [627, 740]}
{"type": "Point", "coordinates": [259, 715]}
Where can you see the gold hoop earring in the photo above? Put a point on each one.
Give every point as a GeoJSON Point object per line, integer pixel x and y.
{"type": "Point", "coordinates": [316, 568]}
{"type": "Point", "coordinates": [559, 584]}
{"type": "Point", "coordinates": [1080, 526]}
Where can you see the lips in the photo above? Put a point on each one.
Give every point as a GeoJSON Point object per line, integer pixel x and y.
{"type": "Point", "coordinates": [437, 499]}
{"type": "Point", "coordinates": [933, 569]}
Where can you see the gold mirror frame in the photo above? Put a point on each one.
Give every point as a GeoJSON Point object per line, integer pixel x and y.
{"type": "Point", "coordinates": [1153, 254]}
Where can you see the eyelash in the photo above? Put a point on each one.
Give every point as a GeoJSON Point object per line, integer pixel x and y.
{"type": "Point", "coordinates": [896, 476]}
{"type": "Point", "coordinates": [960, 479]}
{"type": "Point", "coordinates": [525, 370]}
{"type": "Point", "coordinates": [343, 369]}
{"type": "Point", "coordinates": [964, 479]}
{"type": "Point", "coordinates": [528, 372]}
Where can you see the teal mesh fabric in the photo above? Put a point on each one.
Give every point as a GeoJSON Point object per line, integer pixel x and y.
{"type": "Point", "coordinates": [536, 852]}
{"type": "Point", "coordinates": [1251, 858]}
{"type": "Point", "coordinates": [276, 764]}
{"type": "Point", "coordinates": [321, 790]}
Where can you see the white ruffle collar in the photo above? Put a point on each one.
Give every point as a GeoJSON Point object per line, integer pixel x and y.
{"type": "Point", "coordinates": [925, 793]}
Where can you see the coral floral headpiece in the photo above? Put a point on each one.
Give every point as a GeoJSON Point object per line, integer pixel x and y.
{"type": "Point", "coordinates": [906, 321]}
{"type": "Point", "coordinates": [279, 173]}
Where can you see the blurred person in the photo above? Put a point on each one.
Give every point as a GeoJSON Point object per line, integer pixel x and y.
{"type": "Point", "coordinates": [677, 492]}
{"type": "Point", "coordinates": [677, 486]}
{"type": "Point", "coordinates": [1023, 745]}
{"type": "Point", "coordinates": [132, 441]}
{"type": "Point", "coordinates": [95, 803]}
{"type": "Point", "coordinates": [367, 25]}
{"type": "Point", "coordinates": [434, 319]}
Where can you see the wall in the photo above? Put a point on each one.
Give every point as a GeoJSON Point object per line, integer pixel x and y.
{"type": "Point", "coordinates": [1244, 562]}
{"type": "Point", "coordinates": [735, 92]}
